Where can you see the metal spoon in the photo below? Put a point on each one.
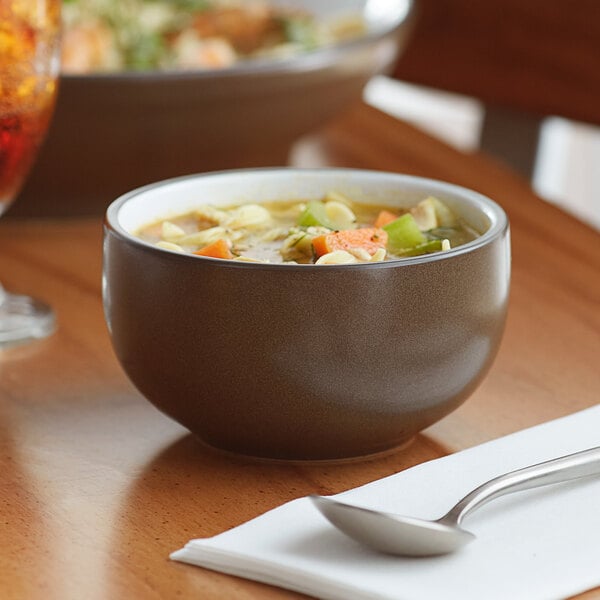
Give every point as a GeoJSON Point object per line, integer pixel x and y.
{"type": "Point", "coordinates": [408, 536]}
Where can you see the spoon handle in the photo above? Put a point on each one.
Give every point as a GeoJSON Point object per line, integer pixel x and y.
{"type": "Point", "coordinates": [565, 468]}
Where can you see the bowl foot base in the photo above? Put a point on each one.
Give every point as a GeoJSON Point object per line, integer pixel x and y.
{"type": "Point", "coordinates": [308, 461]}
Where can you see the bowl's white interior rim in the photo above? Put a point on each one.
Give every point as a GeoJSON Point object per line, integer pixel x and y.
{"type": "Point", "coordinates": [170, 198]}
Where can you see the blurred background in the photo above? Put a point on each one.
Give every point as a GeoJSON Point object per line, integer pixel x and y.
{"type": "Point", "coordinates": [566, 163]}
{"type": "Point", "coordinates": [518, 80]}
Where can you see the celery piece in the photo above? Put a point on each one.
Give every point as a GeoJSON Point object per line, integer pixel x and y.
{"type": "Point", "coordinates": [403, 233]}
{"type": "Point", "coordinates": [315, 215]}
{"type": "Point", "coordinates": [425, 248]}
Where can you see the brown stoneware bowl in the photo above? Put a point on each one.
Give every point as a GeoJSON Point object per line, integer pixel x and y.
{"type": "Point", "coordinates": [304, 361]}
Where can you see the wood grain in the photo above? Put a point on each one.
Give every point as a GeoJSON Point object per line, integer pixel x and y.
{"type": "Point", "coordinates": [98, 487]}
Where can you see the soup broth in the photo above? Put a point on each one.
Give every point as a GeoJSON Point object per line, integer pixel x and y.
{"type": "Point", "coordinates": [333, 230]}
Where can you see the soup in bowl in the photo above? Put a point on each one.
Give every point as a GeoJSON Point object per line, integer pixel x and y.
{"type": "Point", "coordinates": [281, 356]}
{"type": "Point", "coordinates": [331, 231]}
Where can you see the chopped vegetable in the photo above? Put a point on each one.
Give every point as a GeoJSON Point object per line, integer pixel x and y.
{"type": "Point", "coordinates": [298, 244]}
{"type": "Point", "coordinates": [332, 214]}
{"type": "Point", "coordinates": [384, 217]}
{"type": "Point", "coordinates": [425, 248]}
{"type": "Point", "coordinates": [315, 215]}
{"type": "Point", "coordinates": [219, 249]}
{"type": "Point", "coordinates": [332, 230]}
{"type": "Point", "coordinates": [403, 233]}
{"type": "Point", "coordinates": [367, 238]}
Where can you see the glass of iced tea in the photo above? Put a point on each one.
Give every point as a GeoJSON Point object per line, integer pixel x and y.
{"type": "Point", "coordinates": [29, 66]}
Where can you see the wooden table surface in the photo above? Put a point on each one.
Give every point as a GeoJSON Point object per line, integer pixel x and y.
{"type": "Point", "coordinates": [97, 487]}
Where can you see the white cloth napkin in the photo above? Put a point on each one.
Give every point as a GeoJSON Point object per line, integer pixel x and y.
{"type": "Point", "coordinates": [536, 544]}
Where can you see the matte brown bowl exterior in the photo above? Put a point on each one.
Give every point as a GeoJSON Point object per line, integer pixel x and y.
{"type": "Point", "coordinates": [114, 132]}
{"type": "Point", "coordinates": [307, 362]}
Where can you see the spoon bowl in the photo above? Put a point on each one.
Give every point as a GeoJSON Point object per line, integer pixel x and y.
{"type": "Point", "coordinates": [408, 536]}
{"type": "Point", "coordinates": [391, 533]}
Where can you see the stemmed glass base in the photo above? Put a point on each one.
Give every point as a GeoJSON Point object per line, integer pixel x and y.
{"type": "Point", "coordinates": [23, 319]}
{"type": "Point", "coordinates": [29, 69]}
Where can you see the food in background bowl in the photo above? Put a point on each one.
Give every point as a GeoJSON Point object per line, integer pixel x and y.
{"type": "Point", "coordinates": [304, 361]}
{"type": "Point", "coordinates": [118, 35]}
{"type": "Point", "coordinates": [334, 230]}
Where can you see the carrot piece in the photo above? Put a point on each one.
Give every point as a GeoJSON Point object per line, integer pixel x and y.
{"type": "Point", "coordinates": [320, 245]}
{"type": "Point", "coordinates": [384, 217]}
{"type": "Point", "coordinates": [218, 249]}
{"type": "Point", "coordinates": [368, 238]}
